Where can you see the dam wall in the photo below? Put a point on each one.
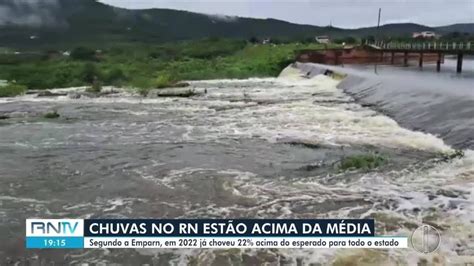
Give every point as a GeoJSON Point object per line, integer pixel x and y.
{"type": "Point", "coordinates": [440, 106]}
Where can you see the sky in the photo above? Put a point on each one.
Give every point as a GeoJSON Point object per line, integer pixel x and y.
{"type": "Point", "coordinates": [339, 13]}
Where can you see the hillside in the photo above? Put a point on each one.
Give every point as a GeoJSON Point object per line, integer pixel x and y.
{"type": "Point", "coordinates": [461, 27]}
{"type": "Point", "coordinates": [400, 29]}
{"type": "Point", "coordinates": [90, 21]}
{"type": "Point", "coordinates": [65, 22]}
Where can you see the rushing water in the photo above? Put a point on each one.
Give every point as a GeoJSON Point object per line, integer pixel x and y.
{"type": "Point", "coordinates": [259, 148]}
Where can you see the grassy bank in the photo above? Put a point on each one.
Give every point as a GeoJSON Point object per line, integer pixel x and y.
{"type": "Point", "coordinates": [364, 162]}
{"type": "Point", "coordinates": [147, 66]}
{"type": "Point", "coordinates": [11, 90]}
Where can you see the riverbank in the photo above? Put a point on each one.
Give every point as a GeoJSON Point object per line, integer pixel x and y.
{"type": "Point", "coordinates": [143, 67]}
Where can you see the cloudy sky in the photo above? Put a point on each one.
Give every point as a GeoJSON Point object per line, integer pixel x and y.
{"type": "Point", "coordinates": [341, 13]}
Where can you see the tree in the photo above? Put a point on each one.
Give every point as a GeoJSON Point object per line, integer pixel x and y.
{"type": "Point", "coordinates": [90, 73]}
{"type": "Point", "coordinates": [114, 76]}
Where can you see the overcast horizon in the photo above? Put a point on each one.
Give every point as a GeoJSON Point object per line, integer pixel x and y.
{"type": "Point", "coordinates": [338, 13]}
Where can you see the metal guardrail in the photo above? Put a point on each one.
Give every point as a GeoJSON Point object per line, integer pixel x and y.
{"type": "Point", "coordinates": [423, 46]}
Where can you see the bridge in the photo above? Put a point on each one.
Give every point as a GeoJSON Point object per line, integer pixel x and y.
{"type": "Point", "coordinates": [422, 48]}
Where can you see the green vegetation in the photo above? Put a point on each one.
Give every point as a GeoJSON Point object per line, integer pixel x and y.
{"type": "Point", "coordinates": [143, 66]}
{"type": "Point", "coordinates": [162, 81]}
{"type": "Point", "coordinates": [51, 115]}
{"type": "Point", "coordinates": [83, 53]}
{"type": "Point", "coordinates": [96, 86]}
{"type": "Point", "coordinates": [452, 155]}
{"type": "Point", "coordinates": [364, 162]}
{"type": "Point", "coordinates": [11, 90]}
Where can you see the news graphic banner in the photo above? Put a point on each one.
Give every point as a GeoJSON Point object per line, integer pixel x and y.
{"type": "Point", "coordinates": [332, 233]}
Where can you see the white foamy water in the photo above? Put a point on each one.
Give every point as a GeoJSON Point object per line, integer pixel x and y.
{"type": "Point", "coordinates": [256, 148]}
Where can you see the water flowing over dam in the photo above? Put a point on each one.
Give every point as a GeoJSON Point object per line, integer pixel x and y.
{"type": "Point", "coordinates": [423, 101]}
{"type": "Point", "coordinates": [254, 148]}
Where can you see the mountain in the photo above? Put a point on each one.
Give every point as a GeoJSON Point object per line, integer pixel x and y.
{"type": "Point", "coordinates": [66, 22]}
{"type": "Point", "coordinates": [461, 27]}
{"type": "Point", "coordinates": [399, 29]}
{"type": "Point", "coordinates": [77, 21]}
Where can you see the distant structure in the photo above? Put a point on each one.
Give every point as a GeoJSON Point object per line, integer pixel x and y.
{"type": "Point", "coordinates": [323, 39]}
{"type": "Point", "coordinates": [425, 34]}
{"type": "Point", "coordinates": [267, 41]}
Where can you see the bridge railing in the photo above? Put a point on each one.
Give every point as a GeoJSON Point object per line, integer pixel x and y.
{"type": "Point", "coordinates": [423, 46]}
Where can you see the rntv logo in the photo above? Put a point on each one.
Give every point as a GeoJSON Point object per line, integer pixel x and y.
{"type": "Point", "coordinates": [54, 227]}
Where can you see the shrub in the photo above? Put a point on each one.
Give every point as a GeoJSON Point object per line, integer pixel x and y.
{"type": "Point", "coordinates": [114, 76]}
{"type": "Point", "coordinates": [364, 162]}
{"type": "Point", "coordinates": [45, 75]}
{"type": "Point", "coordinates": [143, 91]}
{"type": "Point", "coordinates": [141, 82]}
{"type": "Point", "coordinates": [165, 53]}
{"type": "Point", "coordinates": [453, 155]}
{"type": "Point", "coordinates": [284, 63]}
{"type": "Point", "coordinates": [63, 74]}
{"type": "Point", "coordinates": [11, 90]}
{"type": "Point", "coordinates": [95, 88]}
{"type": "Point", "coordinates": [163, 81]}
{"type": "Point", "coordinates": [90, 73]}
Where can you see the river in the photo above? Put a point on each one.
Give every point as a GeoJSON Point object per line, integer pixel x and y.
{"type": "Point", "coordinates": [255, 148]}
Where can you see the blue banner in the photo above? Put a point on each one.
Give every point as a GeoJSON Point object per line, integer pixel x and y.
{"type": "Point", "coordinates": [229, 228]}
{"type": "Point", "coordinates": [54, 242]}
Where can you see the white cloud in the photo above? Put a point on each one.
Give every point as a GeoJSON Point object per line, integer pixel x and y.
{"type": "Point", "coordinates": [223, 18]}
{"type": "Point", "coordinates": [28, 12]}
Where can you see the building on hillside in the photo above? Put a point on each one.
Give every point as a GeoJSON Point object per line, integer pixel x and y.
{"type": "Point", "coordinates": [323, 39]}
{"type": "Point", "coordinates": [424, 34]}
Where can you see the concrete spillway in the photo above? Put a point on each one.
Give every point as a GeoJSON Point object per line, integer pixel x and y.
{"type": "Point", "coordinates": [419, 101]}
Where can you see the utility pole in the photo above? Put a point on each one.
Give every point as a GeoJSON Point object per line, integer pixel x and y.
{"type": "Point", "coordinates": [377, 37]}
{"type": "Point", "coordinates": [378, 23]}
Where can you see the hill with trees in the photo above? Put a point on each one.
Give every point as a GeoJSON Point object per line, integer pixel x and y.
{"type": "Point", "coordinates": [64, 22]}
